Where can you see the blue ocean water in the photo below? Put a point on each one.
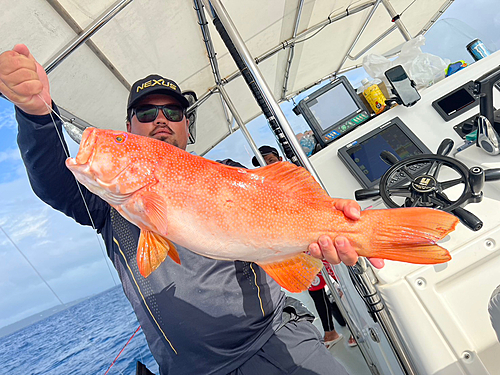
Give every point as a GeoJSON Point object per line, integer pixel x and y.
{"type": "Point", "coordinates": [83, 339]}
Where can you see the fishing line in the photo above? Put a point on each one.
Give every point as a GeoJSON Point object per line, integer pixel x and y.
{"type": "Point", "coordinates": [31, 264]}
{"type": "Point", "coordinates": [77, 184]}
{"type": "Point", "coordinates": [109, 368]}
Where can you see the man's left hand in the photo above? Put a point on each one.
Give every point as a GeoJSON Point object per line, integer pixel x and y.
{"type": "Point", "coordinates": [340, 250]}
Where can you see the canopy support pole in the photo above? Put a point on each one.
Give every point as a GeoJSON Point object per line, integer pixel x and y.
{"type": "Point", "coordinates": [289, 58]}
{"type": "Point", "coordinates": [202, 21]}
{"type": "Point", "coordinates": [372, 12]}
{"type": "Point", "coordinates": [395, 16]}
{"type": "Point", "coordinates": [226, 100]}
{"type": "Point", "coordinates": [271, 109]}
{"type": "Point", "coordinates": [379, 38]}
{"type": "Point", "coordinates": [87, 33]}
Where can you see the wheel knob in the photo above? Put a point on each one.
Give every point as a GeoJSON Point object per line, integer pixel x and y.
{"type": "Point", "coordinates": [476, 180]}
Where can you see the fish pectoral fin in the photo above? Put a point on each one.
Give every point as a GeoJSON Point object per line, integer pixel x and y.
{"type": "Point", "coordinates": [152, 251]}
{"type": "Point", "coordinates": [295, 274]}
{"type": "Point", "coordinates": [155, 209]}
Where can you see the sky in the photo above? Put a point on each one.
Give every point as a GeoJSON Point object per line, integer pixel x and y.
{"type": "Point", "coordinates": [40, 246]}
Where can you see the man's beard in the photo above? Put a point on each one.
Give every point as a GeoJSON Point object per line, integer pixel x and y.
{"type": "Point", "coordinates": [167, 139]}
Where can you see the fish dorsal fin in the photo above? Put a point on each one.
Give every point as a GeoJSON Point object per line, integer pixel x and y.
{"type": "Point", "coordinates": [295, 274]}
{"type": "Point", "coordinates": [152, 251]}
{"type": "Point", "coordinates": [293, 179]}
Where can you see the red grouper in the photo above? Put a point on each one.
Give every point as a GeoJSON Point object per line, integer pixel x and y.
{"type": "Point", "coordinates": [267, 215]}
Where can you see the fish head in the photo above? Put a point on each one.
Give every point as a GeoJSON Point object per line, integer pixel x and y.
{"type": "Point", "coordinates": [115, 164]}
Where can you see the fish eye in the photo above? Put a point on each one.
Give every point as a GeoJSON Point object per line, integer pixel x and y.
{"type": "Point", "coordinates": [121, 138]}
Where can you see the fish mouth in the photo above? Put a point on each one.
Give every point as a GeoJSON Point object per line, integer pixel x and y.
{"type": "Point", "coordinates": [86, 150]}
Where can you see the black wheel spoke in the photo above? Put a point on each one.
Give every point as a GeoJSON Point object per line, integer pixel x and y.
{"type": "Point", "coordinates": [410, 175]}
{"type": "Point", "coordinates": [437, 202]}
{"type": "Point", "coordinates": [416, 202]}
{"type": "Point", "coordinates": [442, 197]}
{"type": "Point", "coordinates": [434, 168]}
{"type": "Point", "coordinates": [450, 183]}
{"type": "Point", "coordinates": [399, 192]}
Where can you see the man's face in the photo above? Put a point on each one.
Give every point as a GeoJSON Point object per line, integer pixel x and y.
{"type": "Point", "coordinates": [271, 158]}
{"type": "Point", "coordinates": [174, 133]}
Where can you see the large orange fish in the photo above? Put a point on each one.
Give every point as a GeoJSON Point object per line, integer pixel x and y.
{"type": "Point", "coordinates": [267, 215]}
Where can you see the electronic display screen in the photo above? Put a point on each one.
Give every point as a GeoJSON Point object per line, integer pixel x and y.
{"type": "Point", "coordinates": [332, 107]}
{"type": "Point", "coordinates": [456, 101]}
{"type": "Point", "coordinates": [362, 157]}
{"type": "Point", "coordinates": [333, 110]}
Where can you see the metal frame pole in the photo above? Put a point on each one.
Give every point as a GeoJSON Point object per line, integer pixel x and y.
{"type": "Point", "coordinates": [372, 12]}
{"type": "Point", "coordinates": [395, 16]}
{"type": "Point", "coordinates": [289, 58]}
{"type": "Point", "coordinates": [259, 81]}
{"type": "Point", "coordinates": [202, 21]}
{"type": "Point", "coordinates": [88, 32]}
{"type": "Point", "coordinates": [226, 100]}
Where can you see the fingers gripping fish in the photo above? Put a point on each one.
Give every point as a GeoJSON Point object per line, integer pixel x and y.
{"type": "Point", "coordinates": [267, 215]}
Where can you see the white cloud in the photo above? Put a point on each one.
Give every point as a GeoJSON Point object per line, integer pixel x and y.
{"type": "Point", "coordinates": [7, 118]}
{"type": "Point", "coordinates": [33, 224]}
{"type": "Point", "coordinates": [10, 155]}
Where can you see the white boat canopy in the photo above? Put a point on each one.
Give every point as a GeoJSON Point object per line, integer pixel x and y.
{"type": "Point", "coordinates": [95, 49]}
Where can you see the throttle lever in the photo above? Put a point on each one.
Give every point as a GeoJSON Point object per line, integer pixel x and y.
{"type": "Point", "coordinates": [468, 219]}
{"type": "Point", "coordinates": [445, 147]}
{"type": "Point", "coordinates": [363, 194]}
{"type": "Point", "coordinates": [388, 158]}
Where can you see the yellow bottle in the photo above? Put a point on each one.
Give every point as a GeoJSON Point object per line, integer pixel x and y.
{"type": "Point", "coordinates": [373, 96]}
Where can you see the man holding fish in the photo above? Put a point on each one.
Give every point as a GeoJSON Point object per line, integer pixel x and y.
{"type": "Point", "coordinates": [192, 239]}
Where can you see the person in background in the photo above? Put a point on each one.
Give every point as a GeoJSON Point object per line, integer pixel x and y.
{"type": "Point", "coordinates": [326, 309]}
{"type": "Point", "coordinates": [270, 155]}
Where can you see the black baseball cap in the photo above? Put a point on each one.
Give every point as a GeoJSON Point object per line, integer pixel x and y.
{"type": "Point", "coordinates": [265, 150]}
{"type": "Point", "coordinates": [155, 84]}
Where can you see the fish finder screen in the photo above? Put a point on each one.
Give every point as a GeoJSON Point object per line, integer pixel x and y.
{"type": "Point", "coordinates": [333, 106]}
{"type": "Point", "coordinates": [366, 154]}
{"type": "Point", "coordinates": [456, 101]}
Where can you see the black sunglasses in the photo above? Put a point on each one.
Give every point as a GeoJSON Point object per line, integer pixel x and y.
{"type": "Point", "coordinates": [149, 112]}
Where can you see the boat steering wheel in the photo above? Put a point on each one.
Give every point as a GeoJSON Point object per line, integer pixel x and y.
{"type": "Point", "coordinates": [417, 181]}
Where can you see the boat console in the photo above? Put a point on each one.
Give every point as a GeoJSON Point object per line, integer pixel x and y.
{"type": "Point", "coordinates": [441, 311]}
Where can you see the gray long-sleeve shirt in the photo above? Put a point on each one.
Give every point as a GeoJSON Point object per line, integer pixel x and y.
{"type": "Point", "coordinates": [204, 316]}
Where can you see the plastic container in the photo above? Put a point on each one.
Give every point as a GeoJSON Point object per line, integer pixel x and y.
{"type": "Point", "coordinates": [373, 95]}
{"type": "Point", "coordinates": [307, 142]}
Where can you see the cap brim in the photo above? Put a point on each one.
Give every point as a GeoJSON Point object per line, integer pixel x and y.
{"type": "Point", "coordinates": [162, 91]}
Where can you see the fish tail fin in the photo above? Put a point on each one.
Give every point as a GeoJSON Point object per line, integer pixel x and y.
{"type": "Point", "coordinates": [152, 251]}
{"type": "Point", "coordinates": [295, 274]}
{"type": "Point", "coordinates": [409, 235]}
